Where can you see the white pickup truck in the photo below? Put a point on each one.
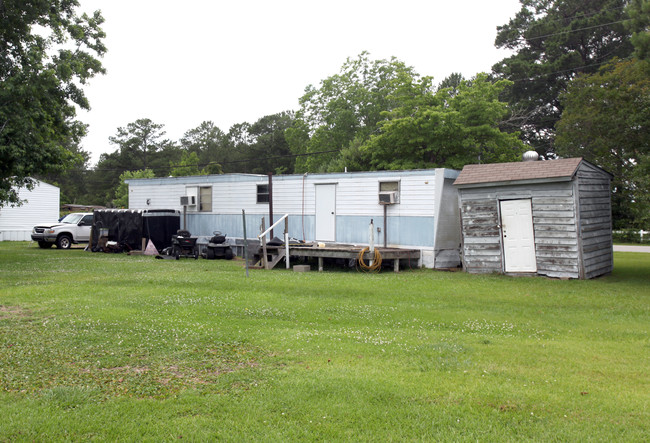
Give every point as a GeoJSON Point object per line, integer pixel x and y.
{"type": "Point", "coordinates": [73, 228]}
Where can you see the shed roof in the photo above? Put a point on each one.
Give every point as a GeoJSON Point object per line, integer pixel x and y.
{"type": "Point", "coordinates": [562, 169]}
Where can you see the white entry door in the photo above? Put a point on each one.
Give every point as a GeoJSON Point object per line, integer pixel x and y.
{"type": "Point", "coordinates": [518, 236]}
{"type": "Point", "coordinates": [326, 212]}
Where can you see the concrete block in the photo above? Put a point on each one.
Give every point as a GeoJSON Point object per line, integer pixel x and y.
{"type": "Point", "coordinates": [301, 268]}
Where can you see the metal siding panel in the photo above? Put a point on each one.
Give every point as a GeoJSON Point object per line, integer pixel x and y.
{"type": "Point", "coordinates": [401, 231]}
{"type": "Point", "coordinates": [203, 224]}
{"type": "Point", "coordinates": [42, 206]}
{"type": "Point", "coordinates": [159, 196]}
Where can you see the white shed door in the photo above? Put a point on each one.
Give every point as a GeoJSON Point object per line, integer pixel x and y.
{"type": "Point", "coordinates": [326, 212]}
{"type": "Point", "coordinates": [518, 236]}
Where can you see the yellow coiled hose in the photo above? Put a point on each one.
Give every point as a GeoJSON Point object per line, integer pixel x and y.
{"type": "Point", "coordinates": [376, 261]}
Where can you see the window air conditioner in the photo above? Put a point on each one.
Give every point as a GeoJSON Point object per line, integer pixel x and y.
{"type": "Point", "coordinates": [188, 200]}
{"type": "Point", "coordinates": [387, 198]}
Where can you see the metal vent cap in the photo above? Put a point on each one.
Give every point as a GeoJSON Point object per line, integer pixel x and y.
{"type": "Point", "coordinates": [530, 156]}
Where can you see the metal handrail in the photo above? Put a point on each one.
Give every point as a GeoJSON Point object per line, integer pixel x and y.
{"type": "Point", "coordinates": [273, 226]}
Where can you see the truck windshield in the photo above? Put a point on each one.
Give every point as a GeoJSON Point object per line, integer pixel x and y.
{"type": "Point", "coordinates": [72, 218]}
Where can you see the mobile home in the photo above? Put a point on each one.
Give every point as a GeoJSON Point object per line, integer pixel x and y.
{"type": "Point", "coordinates": [41, 205]}
{"type": "Point", "coordinates": [410, 209]}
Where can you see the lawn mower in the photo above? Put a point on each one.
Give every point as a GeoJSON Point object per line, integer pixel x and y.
{"type": "Point", "coordinates": [218, 248]}
{"type": "Point", "coordinates": [184, 245]}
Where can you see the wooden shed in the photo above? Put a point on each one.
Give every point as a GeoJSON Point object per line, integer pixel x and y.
{"type": "Point", "coordinates": [548, 218]}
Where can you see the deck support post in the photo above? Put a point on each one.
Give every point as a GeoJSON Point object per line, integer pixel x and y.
{"type": "Point", "coordinates": [265, 261]}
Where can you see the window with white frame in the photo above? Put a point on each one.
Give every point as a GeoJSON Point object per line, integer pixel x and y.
{"type": "Point", "coordinates": [205, 199]}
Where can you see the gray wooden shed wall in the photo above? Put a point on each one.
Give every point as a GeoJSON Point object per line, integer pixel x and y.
{"type": "Point", "coordinates": [595, 220]}
{"type": "Point", "coordinates": [571, 221]}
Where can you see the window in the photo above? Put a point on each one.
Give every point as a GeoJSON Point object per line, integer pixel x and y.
{"type": "Point", "coordinates": [205, 199]}
{"type": "Point", "coordinates": [386, 187]}
{"type": "Point", "coordinates": [262, 193]}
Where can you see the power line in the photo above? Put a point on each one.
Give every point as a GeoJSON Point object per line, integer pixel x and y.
{"type": "Point", "coordinates": [569, 31]}
{"type": "Point", "coordinates": [577, 68]}
{"type": "Point", "coordinates": [578, 16]}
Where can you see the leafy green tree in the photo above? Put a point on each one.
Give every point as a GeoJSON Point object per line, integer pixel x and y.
{"type": "Point", "coordinates": [104, 178]}
{"type": "Point", "coordinates": [452, 81]}
{"type": "Point", "coordinates": [73, 180]}
{"type": "Point", "coordinates": [139, 142]}
{"type": "Point", "coordinates": [553, 42]}
{"type": "Point", "coordinates": [188, 165]}
{"type": "Point", "coordinates": [121, 199]}
{"type": "Point", "coordinates": [606, 120]}
{"type": "Point", "coordinates": [210, 144]}
{"type": "Point", "coordinates": [347, 108]}
{"type": "Point", "coordinates": [239, 139]}
{"type": "Point", "coordinates": [41, 84]}
{"type": "Point", "coordinates": [449, 128]}
{"type": "Point", "coordinates": [140, 146]}
{"type": "Point", "coordinates": [639, 25]}
{"type": "Point", "coordinates": [268, 150]}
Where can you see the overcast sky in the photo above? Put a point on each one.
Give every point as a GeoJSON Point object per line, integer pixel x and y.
{"type": "Point", "coordinates": [181, 63]}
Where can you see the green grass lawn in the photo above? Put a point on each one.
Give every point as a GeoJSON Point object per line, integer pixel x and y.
{"type": "Point", "coordinates": [117, 347]}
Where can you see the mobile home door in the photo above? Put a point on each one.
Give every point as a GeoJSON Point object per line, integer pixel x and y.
{"type": "Point", "coordinates": [518, 235]}
{"type": "Point", "coordinates": [326, 212]}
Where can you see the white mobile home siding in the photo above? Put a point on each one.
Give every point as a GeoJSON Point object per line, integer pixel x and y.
{"type": "Point", "coordinates": [426, 212]}
{"type": "Point", "coordinates": [41, 206]}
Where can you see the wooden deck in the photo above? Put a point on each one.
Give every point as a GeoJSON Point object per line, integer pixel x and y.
{"type": "Point", "coordinates": [276, 253]}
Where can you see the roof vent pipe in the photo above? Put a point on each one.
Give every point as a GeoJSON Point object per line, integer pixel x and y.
{"type": "Point", "coordinates": [530, 156]}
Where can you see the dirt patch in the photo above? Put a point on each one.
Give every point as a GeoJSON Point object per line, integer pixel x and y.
{"type": "Point", "coordinates": [117, 370]}
{"type": "Point", "coordinates": [12, 311]}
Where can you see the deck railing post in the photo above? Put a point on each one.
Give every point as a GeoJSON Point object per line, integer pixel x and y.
{"type": "Point", "coordinates": [371, 240]}
{"type": "Point", "coordinates": [286, 242]}
{"type": "Point", "coordinates": [243, 215]}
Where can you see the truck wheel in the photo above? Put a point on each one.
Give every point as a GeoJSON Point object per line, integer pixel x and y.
{"type": "Point", "coordinates": [44, 245]}
{"type": "Point", "coordinates": [64, 241]}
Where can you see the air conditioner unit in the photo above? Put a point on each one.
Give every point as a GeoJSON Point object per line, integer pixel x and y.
{"type": "Point", "coordinates": [388, 198]}
{"type": "Point", "coordinates": [188, 200]}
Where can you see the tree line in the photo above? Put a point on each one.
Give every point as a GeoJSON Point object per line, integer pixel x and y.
{"type": "Point", "coordinates": [576, 85]}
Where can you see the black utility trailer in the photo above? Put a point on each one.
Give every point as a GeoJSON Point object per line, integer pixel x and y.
{"type": "Point", "coordinates": [128, 227]}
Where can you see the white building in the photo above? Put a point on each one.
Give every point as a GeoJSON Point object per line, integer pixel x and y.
{"type": "Point", "coordinates": [422, 209]}
{"type": "Point", "coordinates": [41, 206]}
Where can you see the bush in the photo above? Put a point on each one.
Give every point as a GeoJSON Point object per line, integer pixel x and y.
{"type": "Point", "coordinates": [631, 236]}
